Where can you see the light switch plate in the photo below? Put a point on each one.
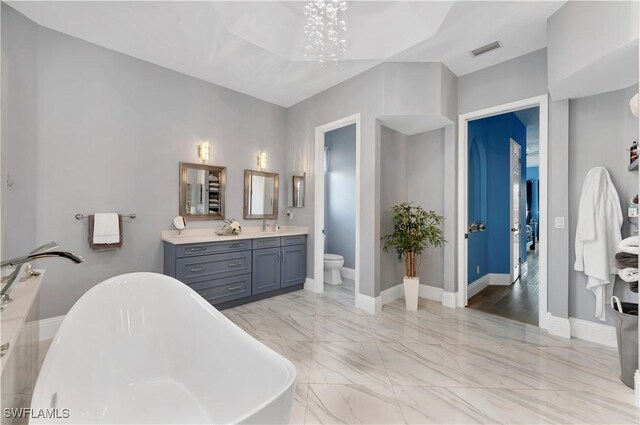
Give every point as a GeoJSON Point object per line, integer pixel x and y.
{"type": "Point", "coordinates": [559, 222]}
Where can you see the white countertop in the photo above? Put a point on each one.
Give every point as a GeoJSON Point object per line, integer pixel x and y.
{"type": "Point", "coordinates": [188, 236]}
{"type": "Point", "coordinates": [15, 313]}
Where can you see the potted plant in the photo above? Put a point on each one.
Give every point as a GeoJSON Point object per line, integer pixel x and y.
{"type": "Point", "coordinates": [414, 229]}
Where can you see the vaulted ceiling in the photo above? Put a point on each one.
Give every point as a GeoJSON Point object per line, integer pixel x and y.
{"type": "Point", "coordinates": [257, 47]}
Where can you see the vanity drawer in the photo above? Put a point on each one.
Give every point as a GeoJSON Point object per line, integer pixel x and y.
{"type": "Point", "coordinates": [266, 243]}
{"type": "Point", "coordinates": [213, 266]}
{"type": "Point", "coordinates": [225, 289]}
{"type": "Point", "coordinates": [293, 240]}
{"type": "Point", "coordinates": [212, 248]}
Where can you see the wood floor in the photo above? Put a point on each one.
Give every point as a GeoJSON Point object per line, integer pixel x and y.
{"type": "Point", "coordinates": [518, 301]}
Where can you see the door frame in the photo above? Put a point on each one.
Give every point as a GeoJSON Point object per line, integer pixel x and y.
{"type": "Point", "coordinates": [319, 186]}
{"type": "Point", "coordinates": [463, 120]}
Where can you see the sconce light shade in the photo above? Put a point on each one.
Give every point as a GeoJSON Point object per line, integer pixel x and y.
{"type": "Point", "coordinates": [262, 160]}
{"type": "Point", "coordinates": [203, 151]}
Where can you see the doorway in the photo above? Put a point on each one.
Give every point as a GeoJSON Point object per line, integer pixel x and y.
{"type": "Point", "coordinates": [323, 162]}
{"type": "Point", "coordinates": [502, 244]}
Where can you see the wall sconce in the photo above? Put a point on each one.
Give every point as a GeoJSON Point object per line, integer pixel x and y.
{"type": "Point", "coordinates": [262, 160]}
{"type": "Point", "coordinates": [203, 151]}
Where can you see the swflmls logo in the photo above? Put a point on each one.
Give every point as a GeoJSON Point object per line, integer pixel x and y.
{"type": "Point", "coordinates": [23, 413]}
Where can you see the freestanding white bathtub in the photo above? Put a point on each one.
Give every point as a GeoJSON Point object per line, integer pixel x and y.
{"type": "Point", "coordinates": [145, 348]}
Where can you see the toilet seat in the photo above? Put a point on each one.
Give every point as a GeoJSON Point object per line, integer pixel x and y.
{"type": "Point", "coordinates": [333, 257]}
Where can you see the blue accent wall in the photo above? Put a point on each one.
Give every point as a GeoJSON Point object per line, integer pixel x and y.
{"type": "Point", "coordinates": [489, 153]}
{"type": "Point", "coordinates": [340, 194]}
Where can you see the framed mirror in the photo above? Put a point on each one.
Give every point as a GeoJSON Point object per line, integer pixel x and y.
{"type": "Point", "coordinates": [202, 191]}
{"type": "Point", "coordinates": [260, 195]}
{"type": "Point", "coordinates": [296, 190]}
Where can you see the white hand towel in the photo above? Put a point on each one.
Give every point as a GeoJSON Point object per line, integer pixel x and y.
{"type": "Point", "coordinates": [106, 228]}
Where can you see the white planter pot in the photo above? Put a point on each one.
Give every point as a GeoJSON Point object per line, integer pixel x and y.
{"type": "Point", "coordinates": [411, 289]}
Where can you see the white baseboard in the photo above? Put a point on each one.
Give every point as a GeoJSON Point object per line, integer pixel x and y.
{"type": "Point", "coordinates": [431, 293]}
{"type": "Point", "coordinates": [348, 273]}
{"type": "Point", "coordinates": [499, 279]}
{"type": "Point", "coordinates": [47, 328]}
{"type": "Point", "coordinates": [391, 294]}
{"type": "Point", "coordinates": [309, 284]}
{"type": "Point", "coordinates": [594, 332]}
{"type": "Point", "coordinates": [559, 326]}
{"type": "Point", "coordinates": [369, 304]}
{"type": "Point", "coordinates": [636, 382]}
{"type": "Point", "coordinates": [477, 286]}
{"type": "Point", "coordinates": [524, 267]}
{"type": "Point", "coordinates": [397, 292]}
{"type": "Point", "coordinates": [449, 299]}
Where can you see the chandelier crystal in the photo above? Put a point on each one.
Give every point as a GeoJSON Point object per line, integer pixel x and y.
{"type": "Point", "coordinates": [325, 30]}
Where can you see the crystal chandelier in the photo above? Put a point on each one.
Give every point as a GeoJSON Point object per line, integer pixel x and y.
{"type": "Point", "coordinates": [325, 30]}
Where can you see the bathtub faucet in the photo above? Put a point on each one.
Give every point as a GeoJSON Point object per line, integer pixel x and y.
{"type": "Point", "coordinates": [44, 251]}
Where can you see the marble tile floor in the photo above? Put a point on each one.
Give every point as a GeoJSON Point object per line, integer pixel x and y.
{"type": "Point", "coordinates": [433, 366]}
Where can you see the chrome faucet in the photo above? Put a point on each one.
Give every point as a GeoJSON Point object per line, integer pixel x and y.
{"type": "Point", "coordinates": [44, 251]}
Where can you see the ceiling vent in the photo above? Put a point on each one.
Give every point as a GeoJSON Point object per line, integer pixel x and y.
{"type": "Point", "coordinates": [486, 49]}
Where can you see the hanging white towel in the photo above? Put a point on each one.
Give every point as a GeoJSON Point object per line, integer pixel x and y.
{"type": "Point", "coordinates": [106, 228]}
{"type": "Point", "coordinates": [598, 234]}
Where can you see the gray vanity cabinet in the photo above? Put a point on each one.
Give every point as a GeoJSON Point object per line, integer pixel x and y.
{"type": "Point", "coordinates": [293, 268]}
{"type": "Point", "coordinates": [236, 272]}
{"type": "Point", "coordinates": [266, 266]}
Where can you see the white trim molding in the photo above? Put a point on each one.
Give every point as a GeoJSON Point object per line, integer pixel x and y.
{"type": "Point", "coordinates": [47, 328]}
{"type": "Point", "coordinates": [397, 291]}
{"type": "Point", "coordinates": [431, 293]}
{"type": "Point", "coordinates": [348, 273]}
{"type": "Point", "coordinates": [500, 279]}
{"type": "Point", "coordinates": [594, 332]}
{"type": "Point", "coordinates": [478, 285]}
{"type": "Point", "coordinates": [475, 287]}
{"type": "Point", "coordinates": [449, 299]}
{"type": "Point", "coordinates": [310, 284]}
{"type": "Point", "coordinates": [559, 326]}
{"type": "Point", "coordinates": [389, 295]}
{"type": "Point", "coordinates": [371, 305]}
{"type": "Point", "coordinates": [636, 382]}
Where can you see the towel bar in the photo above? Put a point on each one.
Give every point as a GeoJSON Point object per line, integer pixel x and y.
{"type": "Point", "coordinates": [81, 216]}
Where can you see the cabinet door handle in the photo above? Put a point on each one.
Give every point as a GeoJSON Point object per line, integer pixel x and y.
{"type": "Point", "coordinates": [197, 269]}
{"type": "Point", "coordinates": [233, 288]}
{"type": "Point", "coordinates": [236, 264]}
{"type": "Point", "coordinates": [197, 249]}
{"type": "Point", "coordinates": [235, 245]}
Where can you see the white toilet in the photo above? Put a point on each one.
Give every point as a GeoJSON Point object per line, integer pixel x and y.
{"type": "Point", "coordinates": [332, 265]}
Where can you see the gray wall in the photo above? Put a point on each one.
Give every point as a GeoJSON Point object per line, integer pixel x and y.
{"type": "Point", "coordinates": [515, 79]}
{"type": "Point", "coordinates": [425, 177]}
{"type": "Point", "coordinates": [340, 194]}
{"type": "Point", "coordinates": [19, 130]}
{"type": "Point", "coordinates": [111, 131]}
{"type": "Point", "coordinates": [393, 190]}
{"type": "Point", "coordinates": [601, 127]}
